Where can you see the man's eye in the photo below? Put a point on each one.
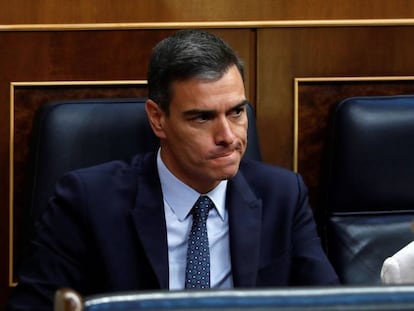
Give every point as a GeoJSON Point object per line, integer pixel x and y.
{"type": "Point", "coordinates": [238, 111]}
{"type": "Point", "coordinates": [202, 118]}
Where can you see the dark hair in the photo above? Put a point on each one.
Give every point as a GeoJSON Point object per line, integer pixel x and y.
{"type": "Point", "coordinates": [184, 55]}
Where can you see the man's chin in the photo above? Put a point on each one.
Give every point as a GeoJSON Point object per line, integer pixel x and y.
{"type": "Point", "coordinates": [226, 177]}
{"type": "Point", "coordinates": [228, 172]}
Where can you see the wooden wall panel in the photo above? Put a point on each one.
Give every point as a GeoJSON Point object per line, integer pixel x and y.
{"type": "Point", "coordinates": [288, 53]}
{"type": "Point", "coordinates": [130, 11]}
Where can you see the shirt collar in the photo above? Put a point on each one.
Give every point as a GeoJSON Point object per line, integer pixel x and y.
{"type": "Point", "coordinates": [181, 197]}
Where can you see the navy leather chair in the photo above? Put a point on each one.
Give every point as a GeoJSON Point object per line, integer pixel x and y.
{"type": "Point", "coordinates": [315, 299]}
{"type": "Point", "coordinates": [72, 134]}
{"type": "Point", "coordinates": [369, 185]}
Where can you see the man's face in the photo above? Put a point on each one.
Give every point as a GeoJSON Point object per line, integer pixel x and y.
{"type": "Point", "coordinates": [205, 134]}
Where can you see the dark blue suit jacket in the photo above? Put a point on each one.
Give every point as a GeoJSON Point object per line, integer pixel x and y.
{"type": "Point", "coordinates": [105, 231]}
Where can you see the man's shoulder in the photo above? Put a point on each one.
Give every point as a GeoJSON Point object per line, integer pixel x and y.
{"type": "Point", "coordinates": [137, 163]}
{"type": "Point", "coordinates": [110, 180]}
{"type": "Point", "coordinates": [113, 172]}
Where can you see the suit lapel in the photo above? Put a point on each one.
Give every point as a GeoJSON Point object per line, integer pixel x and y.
{"type": "Point", "coordinates": [245, 227]}
{"type": "Point", "coordinates": [149, 219]}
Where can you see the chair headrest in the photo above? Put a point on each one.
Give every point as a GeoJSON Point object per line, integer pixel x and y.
{"type": "Point", "coordinates": [371, 154]}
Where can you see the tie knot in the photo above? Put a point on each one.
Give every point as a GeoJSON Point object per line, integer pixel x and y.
{"type": "Point", "coordinates": [202, 207]}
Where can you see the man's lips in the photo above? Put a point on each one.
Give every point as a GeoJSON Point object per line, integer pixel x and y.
{"type": "Point", "coordinates": [223, 154]}
{"type": "Point", "coordinates": [226, 152]}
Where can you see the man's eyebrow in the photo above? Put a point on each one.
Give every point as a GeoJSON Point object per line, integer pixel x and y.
{"type": "Point", "coordinates": [195, 112]}
{"type": "Point", "coordinates": [242, 104]}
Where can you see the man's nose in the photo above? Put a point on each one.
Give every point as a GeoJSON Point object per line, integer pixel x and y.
{"type": "Point", "coordinates": [224, 134]}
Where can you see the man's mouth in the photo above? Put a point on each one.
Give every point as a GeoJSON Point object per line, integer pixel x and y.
{"type": "Point", "coordinates": [227, 152]}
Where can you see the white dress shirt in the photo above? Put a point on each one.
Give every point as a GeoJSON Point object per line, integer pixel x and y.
{"type": "Point", "coordinates": [178, 202]}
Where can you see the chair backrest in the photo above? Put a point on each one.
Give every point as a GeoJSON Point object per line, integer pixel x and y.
{"type": "Point", "coordinates": [369, 178]}
{"type": "Point", "coordinates": [78, 133]}
{"type": "Point", "coordinates": [316, 299]}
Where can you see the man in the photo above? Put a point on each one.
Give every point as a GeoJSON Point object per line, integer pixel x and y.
{"type": "Point", "coordinates": [126, 226]}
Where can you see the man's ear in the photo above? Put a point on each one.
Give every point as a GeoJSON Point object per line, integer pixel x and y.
{"type": "Point", "coordinates": [156, 117]}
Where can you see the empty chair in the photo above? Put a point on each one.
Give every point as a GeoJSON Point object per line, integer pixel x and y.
{"type": "Point", "coordinates": [368, 187]}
